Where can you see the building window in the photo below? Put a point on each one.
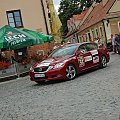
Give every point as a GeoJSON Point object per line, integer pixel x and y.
{"type": "Point", "coordinates": [101, 31]}
{"type": "Point", "coordinates": [119, 26]}
{"type": "Point", "coordinates": [93, 34]}
{"type": "Point", "coordinates": [89, 36]}
{"type": "Point", "coordinates": [80, 39]}
{"type": "Point", "coordinates": [96, 33]}
{"type": "Point", "coordinates": [40, 52]}
{"type": "Point", "coordinates": [14, 18]}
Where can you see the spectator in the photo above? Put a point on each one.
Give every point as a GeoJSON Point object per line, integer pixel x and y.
{"type": "Point", "coordinates": [56, 46]}
{"type": "Point", "coordinates": [113, 43]}
{"type": "Point", "coordinates": [62, 43]}
{"type": "Point", "coordinates": [117, 42]}
{"type": "Point", "coordinates": [1, 58]}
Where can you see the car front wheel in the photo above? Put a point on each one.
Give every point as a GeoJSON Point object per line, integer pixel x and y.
{"type": "Point", "coordinates": [70, 72]}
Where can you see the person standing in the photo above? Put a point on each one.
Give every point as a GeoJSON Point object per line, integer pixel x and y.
{"type": "Point", "coordinates": [56, 46]}
{"type": "Point", "coordinates": [117, 42]}
{"type": "Point", "coordinates": [113, 43]}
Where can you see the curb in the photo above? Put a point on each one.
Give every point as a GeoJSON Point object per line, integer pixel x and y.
{"type": "Point", "coordinates": [8, 78]}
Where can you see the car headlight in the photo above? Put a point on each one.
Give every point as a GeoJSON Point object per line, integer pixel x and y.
{"type": "Point", "coordinates": [49, 68]}
{"type": "Point", "coordinates": [59, 65]}
{"type": "Point", "coordinates": [31, 69]}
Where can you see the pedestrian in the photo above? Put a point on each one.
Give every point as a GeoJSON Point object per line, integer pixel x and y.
{"type": "Point", "coordinates": [113, 43]}
{"type": "Point", "coordinates": [117, 42]}
{"type": "Point", "coordinates": [62, 43]}
{"type": "Point", "coordinates": [100, 45]}
{"type": "Point", "coordinates": [91, 40]}
{"type": "Point", "coordinates": [56, 46]}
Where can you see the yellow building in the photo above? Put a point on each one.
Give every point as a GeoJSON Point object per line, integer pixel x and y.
{"type": "Point", "coordinates": [54, 22]}
{"type": "Point", "coordinates": [100, 22]}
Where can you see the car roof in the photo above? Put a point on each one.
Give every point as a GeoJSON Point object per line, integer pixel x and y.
{"type": "Point", "coordinates": [77, 44]}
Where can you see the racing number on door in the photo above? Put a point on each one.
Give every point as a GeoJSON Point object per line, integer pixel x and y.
{"type": "Point", "coordinates": [81, 61]}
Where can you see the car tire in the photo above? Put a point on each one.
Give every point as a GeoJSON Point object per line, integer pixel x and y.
{"type": "Point", "coordinates": [103, 63]}
{"type": "Point", "coordinates": [70, 72]}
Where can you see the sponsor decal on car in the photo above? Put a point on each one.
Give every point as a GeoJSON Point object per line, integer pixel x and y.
{"type": "Point", "coordinates": [95, 59]}
{"type": "Point", "coordinates": [81, 61]}
{"type": "Point", "coordinates": [88, 58]}
{"type": "Point", "coordinates": [94, 52]}
{"type": "Point", "coordinates": [43, 64]}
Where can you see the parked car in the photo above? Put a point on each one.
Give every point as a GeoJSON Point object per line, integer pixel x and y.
{"type": "Point", "coordinates": [66, 62]}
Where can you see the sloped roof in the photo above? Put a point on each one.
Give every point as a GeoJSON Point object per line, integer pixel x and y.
{"type": "Point", "coordinates": [98, 14]}
{"type": "Point", "coordinates": [71, 33]}
{"type": "Point", "coordinates": [80, 16]}
{"type": "Point", "coordinates": [76, 17]}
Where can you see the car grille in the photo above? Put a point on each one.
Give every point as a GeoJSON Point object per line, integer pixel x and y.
{"type": "Point", "coordinates": [40, 69]}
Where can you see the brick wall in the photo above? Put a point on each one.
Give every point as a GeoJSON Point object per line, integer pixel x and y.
{"type": "Point", "coordinates": [32, 51]}
{"type": "Point", "coordinates": [46, 47]}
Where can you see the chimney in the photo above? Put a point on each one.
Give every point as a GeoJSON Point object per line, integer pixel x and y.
{"type": "Point", "coordinates": [104, 2]}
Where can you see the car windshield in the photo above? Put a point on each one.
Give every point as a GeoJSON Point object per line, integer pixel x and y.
{"type": "Point", "coordinates": [69, 50]}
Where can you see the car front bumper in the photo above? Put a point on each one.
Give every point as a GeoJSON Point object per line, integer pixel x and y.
{"type": "Point", "coordinates": [54, 74]}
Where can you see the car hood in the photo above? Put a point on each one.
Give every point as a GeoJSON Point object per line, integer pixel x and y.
{"type": "Point", "coordinates": [52, 61]}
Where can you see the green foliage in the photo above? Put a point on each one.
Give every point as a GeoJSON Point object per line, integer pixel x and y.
{"type": "Point", "coordinates": [98, 1]}
{"type": "Point", "coordinates": [66, 10]}
{"type": "Point", "coordinates": [71, 7]}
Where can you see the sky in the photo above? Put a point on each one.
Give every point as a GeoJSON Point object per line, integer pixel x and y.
{"type": "Point", "coordinates": [56, 4]}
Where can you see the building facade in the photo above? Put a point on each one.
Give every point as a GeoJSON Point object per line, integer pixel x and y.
{"type": "Point", "coordinates": [33, 15]}
{"type": "Point", "coordinates": [24, 14]}
{"type": "Point", "coordinates": [101, 20]}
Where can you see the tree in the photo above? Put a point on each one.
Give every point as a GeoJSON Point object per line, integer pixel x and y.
{"type": "Point", "coordinates": [98, 1]}
{"type": "Point", "coordinates": [66, 10]}
{"type": "Point", "coordinates": [71, 7]}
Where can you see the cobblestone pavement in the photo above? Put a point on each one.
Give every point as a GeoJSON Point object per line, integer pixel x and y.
{"type": "Point", "coordinates": [91, 96]}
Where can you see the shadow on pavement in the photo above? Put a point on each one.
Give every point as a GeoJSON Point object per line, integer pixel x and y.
{"type": "Point", "coordinates": [44, 83]}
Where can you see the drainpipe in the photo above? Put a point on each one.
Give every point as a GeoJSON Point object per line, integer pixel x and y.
{"type": "Point", "coordinates": [44, 16]}
{"type": "Point", "coordinates": [104, 32]}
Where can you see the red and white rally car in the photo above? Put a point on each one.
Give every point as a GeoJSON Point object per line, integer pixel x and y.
{"type": "Point", "coordinates": [66, 62]}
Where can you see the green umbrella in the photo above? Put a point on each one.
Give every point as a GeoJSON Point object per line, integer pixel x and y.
{"type": "Point", "coordinates": [43, 38]}
{"type": "Point", "coordinates": [12, 38]}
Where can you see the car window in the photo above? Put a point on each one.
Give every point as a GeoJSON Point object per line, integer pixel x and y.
{"type": "Point", "coordinates": [82, 48]}
{"type": "Point", "coordinates": [68, 50]}
{"type": "Point", "coordinates": [91, 46]}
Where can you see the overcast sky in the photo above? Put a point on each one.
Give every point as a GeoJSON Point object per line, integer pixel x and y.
{"type": "Point", "coordinates": [56, 4]}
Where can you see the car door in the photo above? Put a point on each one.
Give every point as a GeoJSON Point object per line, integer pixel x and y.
{"type": "Point", "coordinates": [84, 58]}
{"type": "Point", "coordinates": [95, 54]}
{"type": "Point", "coordinates": [93, 48]}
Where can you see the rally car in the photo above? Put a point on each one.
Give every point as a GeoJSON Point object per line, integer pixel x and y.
{"type": "Point", "coordinates": [68, 61]}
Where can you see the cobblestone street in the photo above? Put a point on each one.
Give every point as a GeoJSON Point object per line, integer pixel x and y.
{"type": "Point", "coordinates": [91, 96]}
